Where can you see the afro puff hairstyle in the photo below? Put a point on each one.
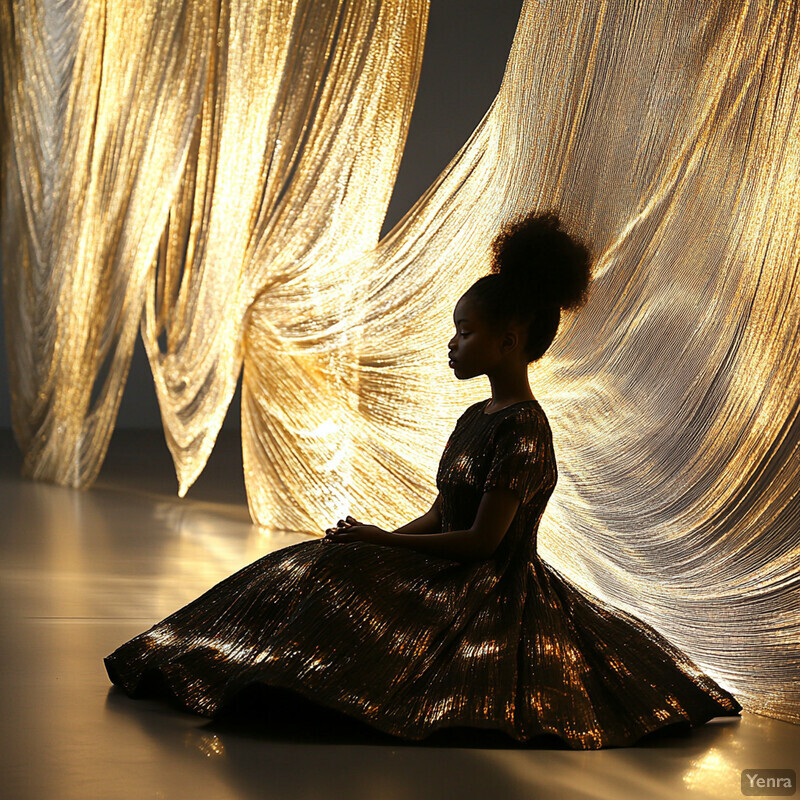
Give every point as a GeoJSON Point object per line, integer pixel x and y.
{"type": "Point", "coordinates": [537, 270]}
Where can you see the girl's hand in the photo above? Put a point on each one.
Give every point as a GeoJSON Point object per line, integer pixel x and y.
{"type": "Point", "coordinates": [347, 522]}
{"type": "Point", "coordinates": [351, 530]}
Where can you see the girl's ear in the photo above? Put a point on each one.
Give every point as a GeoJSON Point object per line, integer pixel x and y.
{"type": "Point", "coordinates": [510, 340]}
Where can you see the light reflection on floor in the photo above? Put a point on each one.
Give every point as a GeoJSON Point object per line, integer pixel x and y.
{"type": "Point", "coordinates": [82, 572]}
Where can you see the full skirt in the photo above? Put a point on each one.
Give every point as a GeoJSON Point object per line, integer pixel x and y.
{"type": "Point", "coordinates": [411, 644]}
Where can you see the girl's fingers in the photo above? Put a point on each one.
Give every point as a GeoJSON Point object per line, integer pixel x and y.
{"type": "Point", "coordinates": [342, 526]}
{"type": "Point", "coordinates": [345, 523]}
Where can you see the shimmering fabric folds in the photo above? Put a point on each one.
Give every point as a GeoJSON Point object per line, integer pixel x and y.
{"type": "Point", "coordinates": [411, 643]}
{"type": "Point", "coordinates": [99, 103]}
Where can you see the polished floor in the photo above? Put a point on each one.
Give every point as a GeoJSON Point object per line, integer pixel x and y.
{"type": "Point", "coordinates": [83, 571]}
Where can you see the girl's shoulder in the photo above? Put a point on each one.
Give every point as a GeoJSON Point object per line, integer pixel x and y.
{"type": "Point", "coordinates": [523, 410]}
{"type": "Point", "coordinates": [524, 414]}
{"type": "Point", "coordinates": [524, 420]}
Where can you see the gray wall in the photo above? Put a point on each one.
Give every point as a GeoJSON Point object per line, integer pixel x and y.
{"type": "Point", "coordinates": [465, 55]}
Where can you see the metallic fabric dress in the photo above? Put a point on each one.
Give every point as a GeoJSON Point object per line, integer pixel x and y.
{"type": "Point", "coordinates": [410, 643]}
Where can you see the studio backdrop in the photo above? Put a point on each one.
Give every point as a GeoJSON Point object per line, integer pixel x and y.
{"type": "Point", "coordinates": [213, 175]}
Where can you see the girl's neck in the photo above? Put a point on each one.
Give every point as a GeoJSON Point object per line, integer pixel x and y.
{"type": "Point", "coordinates": [509, 388]}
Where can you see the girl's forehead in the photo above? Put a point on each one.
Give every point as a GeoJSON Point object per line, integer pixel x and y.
{"type": "Point", "coordinates": [464, 308]}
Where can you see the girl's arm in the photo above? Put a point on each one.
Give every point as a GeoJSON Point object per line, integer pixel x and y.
{"type": "Point", "coordinates": [429, 522]}
{"type": "Point", "coordinates": [495, 513]}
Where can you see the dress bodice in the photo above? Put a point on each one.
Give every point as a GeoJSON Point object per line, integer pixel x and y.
{"type": "Point", "coordinates": [511, 448]}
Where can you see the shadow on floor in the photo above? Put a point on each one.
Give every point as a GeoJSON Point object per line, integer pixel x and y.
{"type": "Point", "coordinates": [279, 714]}
{"type": "Point", "coordinates": [269, 713]}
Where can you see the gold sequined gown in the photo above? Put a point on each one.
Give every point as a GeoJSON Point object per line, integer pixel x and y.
{"type": "Point", "coordinates": [411, 643]}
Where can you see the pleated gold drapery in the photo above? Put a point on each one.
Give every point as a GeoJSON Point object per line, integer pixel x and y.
{"type": "Point", "coordinates": [235, 191]}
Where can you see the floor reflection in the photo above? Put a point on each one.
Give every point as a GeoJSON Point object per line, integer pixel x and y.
{"type": "Point", "coordinates": [300, 750]}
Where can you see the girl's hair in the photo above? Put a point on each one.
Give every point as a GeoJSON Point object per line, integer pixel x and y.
{"type": "Point", "coordinates": [537, 270]}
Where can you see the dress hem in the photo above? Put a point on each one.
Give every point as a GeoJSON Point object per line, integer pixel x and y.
{"type": "Point", "coordinates": [412, 734]}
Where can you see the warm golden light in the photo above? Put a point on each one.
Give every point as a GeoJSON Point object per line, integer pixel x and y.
{"type": "Point", "coordinates": [233, 183]}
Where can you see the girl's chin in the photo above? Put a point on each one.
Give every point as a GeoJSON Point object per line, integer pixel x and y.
{"type": "Point", "coordinates": [461, 375]}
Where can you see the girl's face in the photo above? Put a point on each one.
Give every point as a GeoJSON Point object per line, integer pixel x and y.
{"type": "Point", "coordinates": [476, 349]}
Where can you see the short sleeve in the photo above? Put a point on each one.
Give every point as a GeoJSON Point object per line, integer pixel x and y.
{"type": "Point", "coordinates": [522, 457]}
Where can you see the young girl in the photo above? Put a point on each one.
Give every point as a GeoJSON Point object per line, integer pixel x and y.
{"type": "Point", "coordinates": [451, 620]}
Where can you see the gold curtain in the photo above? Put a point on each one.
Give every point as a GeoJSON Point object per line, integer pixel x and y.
{"type": "Point", "coordinates": [99, 105]}
{"type": "Point", "coordinates": [665, 133]}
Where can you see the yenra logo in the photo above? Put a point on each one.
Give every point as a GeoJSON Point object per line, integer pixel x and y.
{"type": "Point", "coordinates": [768, 782]}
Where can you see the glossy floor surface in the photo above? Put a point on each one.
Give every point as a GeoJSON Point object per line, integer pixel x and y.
{"type": "Point", "coordinates": [83, 571]}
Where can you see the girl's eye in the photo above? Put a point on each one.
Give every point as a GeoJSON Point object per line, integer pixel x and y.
{"type": "Point", "coordinates": [464, 334]}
